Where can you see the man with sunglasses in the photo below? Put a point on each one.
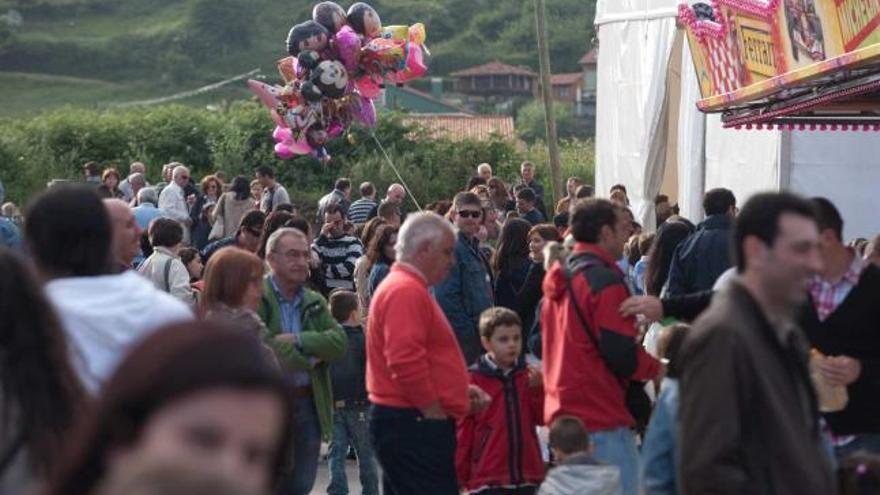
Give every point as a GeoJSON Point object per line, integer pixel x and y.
{"type": "Point", "coordinates": [247, 237]}
{"type": "Point", "coordinates": [467, 291]}
{"type": "Point", "coordinates": [172, 199]}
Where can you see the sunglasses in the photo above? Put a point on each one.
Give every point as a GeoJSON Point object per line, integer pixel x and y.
{"type": "Point", "coordinates": [470, 213]}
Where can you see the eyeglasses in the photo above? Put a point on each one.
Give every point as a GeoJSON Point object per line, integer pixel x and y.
{"type": "Point", "coordinates": [470, 213]}
{"type": "Point", "coordinates": [293, 255]}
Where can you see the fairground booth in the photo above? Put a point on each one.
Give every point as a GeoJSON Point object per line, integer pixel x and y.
{"type": "Point", "coordinates": [751, 95]}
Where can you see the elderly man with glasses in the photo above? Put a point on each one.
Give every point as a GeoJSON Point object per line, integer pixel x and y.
{"type": "Point", "coordinates": [172, 199]}
{"type": "Point", "coordinates": [306, 339]}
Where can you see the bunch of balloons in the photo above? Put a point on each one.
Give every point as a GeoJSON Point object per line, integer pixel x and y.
{"type": "Point", "coordinates": [339, 62]}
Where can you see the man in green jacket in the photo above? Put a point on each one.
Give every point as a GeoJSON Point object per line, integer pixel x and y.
{"type": "Point", "coordinates": [306, 339]}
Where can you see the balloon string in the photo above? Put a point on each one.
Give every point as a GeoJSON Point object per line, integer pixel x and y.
{"type": "Point", "coordinates": [396, 172]}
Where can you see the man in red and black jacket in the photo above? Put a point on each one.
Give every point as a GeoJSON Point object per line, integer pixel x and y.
{"type": "Point", "coordinates": [581, 379]}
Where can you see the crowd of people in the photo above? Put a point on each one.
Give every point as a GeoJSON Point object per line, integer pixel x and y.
{"type": "Point", "coordinates": [206, 337]}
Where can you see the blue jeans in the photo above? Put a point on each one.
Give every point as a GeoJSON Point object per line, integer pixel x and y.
{"type": "Point", "coordinates": [350, 428]}
{"type": "Point", "coordinates": [618, 448]}
{"type": "Point", "coordinates": [869, 442]}
{"type": "Point", "coordinates": [306, 450]}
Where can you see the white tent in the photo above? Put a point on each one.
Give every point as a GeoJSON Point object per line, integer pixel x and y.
{"type": "Point", "coordinates": [651, 137]}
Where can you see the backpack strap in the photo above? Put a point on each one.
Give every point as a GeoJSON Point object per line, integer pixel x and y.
{"type": "Point", "coordinates": [166, 270]}
{"type": "Point", "coordinates": [574, 265]}
{"type": "Point", "coordinates": [579, 264]}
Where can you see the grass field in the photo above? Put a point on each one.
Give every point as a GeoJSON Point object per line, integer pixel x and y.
{"type": "Point", "coordinates": [26, 94]}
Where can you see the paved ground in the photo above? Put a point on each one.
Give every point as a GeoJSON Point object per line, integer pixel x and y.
{"type": "Point", "coordinates": [351, 470]}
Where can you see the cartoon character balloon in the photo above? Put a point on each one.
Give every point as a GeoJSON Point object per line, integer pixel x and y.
{"type": "Point", "coordinates": [330, 15]}
{"type": "Point", "coordinates": [308, 35]}
{"type": "Point", "coordinates": [364, 20]}
{"type": "Point", "coordinates": [331, 78]}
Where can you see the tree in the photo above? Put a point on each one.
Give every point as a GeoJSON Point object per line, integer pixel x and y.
{"type": "Point", "coordinates": [530, 124]}
{"type": "Point", "coordinates": [221, 26]}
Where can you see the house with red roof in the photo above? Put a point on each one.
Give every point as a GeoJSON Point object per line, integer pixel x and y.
{"type": "Point", "coordinates": [496, 80]}
{"type": "Point", "coordinates": [567, 87]}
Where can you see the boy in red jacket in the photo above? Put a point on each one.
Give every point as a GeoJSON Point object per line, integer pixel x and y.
{"type": "Point", "coordinates": [498, 450]}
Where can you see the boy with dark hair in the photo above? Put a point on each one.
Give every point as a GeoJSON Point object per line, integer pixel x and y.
{"type": "Point", "coordinates": [350, 401]}
{"type": "Point", "coordinates": [498, 450]}
{"type": "Point", "coordinates": [576, 470]}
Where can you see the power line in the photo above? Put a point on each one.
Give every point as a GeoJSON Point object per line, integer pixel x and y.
{"type": "Point", "coordinates": [187, 94]}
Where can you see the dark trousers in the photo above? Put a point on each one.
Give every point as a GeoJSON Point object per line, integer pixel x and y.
{"type": "Point", "coordinates": [417, 455]}
{"type": "Point", "coordinates": [523, 490]}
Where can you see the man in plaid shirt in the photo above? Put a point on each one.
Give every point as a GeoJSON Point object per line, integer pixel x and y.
{"type": "Point", "coordinates": [843, 326]}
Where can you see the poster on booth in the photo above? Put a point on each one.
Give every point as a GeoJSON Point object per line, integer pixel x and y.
{"type": "Point", "coordinates": [337, 63]}
{"type": "Point", "coordinates": [745, 48]}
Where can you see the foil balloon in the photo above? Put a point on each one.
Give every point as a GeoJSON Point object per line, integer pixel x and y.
{"type": "Point", "coordinates": [414, 67]}
{"type": "Point", "coordinates": [363, 110]}
{"type": "Point", "coordinates": [282, 134]}
{"type": "Point", "coordinates": [270, 96]}
{"type": "Point", "coordinates": [335, 129]}
{"type": "Point", "coordinates": [364, 20]}
{"type": "Point", "coordinates": [347, 44]}
{"type": "Point", "coordinates": [330, 15]}
{"type": "Point", "coordinates": [331, 78]}
{"type": "Point", "coordinates": [288, 67]}
{"type": "Point", "coordinates": [380, 55]}
{"type": "Point", "coordinates": [413, 34]}
{"type": "Point", "coordinates": [307, 35]}
{"type": "Point", "coordinates": [368, 86]}
{"type": "Point", "coordinates": [283, 151]}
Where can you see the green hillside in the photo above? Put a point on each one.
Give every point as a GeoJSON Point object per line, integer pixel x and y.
{"type": "Point", "coordinates": [98, 53]}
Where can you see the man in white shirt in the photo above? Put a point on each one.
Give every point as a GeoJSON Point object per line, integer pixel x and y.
{"type": "Point", "coordinates": [484, 170]}
{"type": "Point", "coordinates": [103, 313]}
{"type": "Point", "coordinates": [173, 200]}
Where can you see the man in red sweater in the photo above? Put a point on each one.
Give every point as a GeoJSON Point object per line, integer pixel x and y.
{"type": "Point", "coordinates": [580, 379]}
{"type": "Point", "coordinates": [416, 375]}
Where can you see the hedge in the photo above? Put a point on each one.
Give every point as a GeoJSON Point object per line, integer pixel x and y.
{"type": "Point", "coordinates": [236, 139]}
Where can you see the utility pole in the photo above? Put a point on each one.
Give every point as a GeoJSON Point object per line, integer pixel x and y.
{"type": "Point", "coordinates": [546, 93]}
